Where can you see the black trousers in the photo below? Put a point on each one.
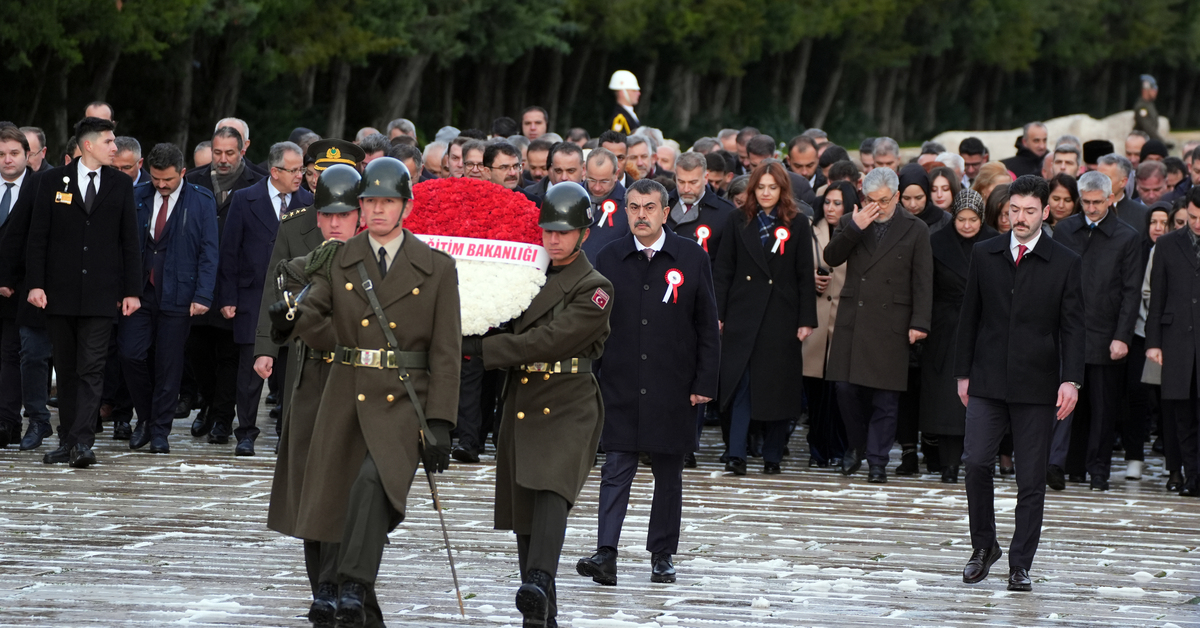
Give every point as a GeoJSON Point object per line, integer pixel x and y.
{"type": "Point", "coordinates": [826, 431]}
{"type": "Point", "coordinates": [908, 412]}
{"type": "Point", "coordinates": [666, 511]}
{"type": "Point", "coordinates": [368, 521]}
{"type": "Point", "coordinates": [10, 374]}
{"type": "Point", "coordinates": [987, 421]}
{"type": "Point", "coordinates": [471, 429]}
{"type": "Point", "coordinates": [116, 391]}
{"type": "Point", "coordinates": [950, 449]}
{"type": "Point", "coordinates": [1092, 427]}
{"type": "Point", "coordinates": [80, 352]}
{"type": "Point", "coordinates": [212, 359]}
{"type": "Point", "coordinates": [150, 344]}
{"type": "Point", "coordinates": [249, 394]}
{"type": "Point", "coordinates": [1185, 414]}
{"type": "Point", "coordinates": [1139, 406]}
{"type": "Point", "coordinates": [542, 547]}
{"type": "Point", "coordinates": [870, 417]}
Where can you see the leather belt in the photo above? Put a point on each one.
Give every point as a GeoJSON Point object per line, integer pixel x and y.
{"type": "Point", "coordinates": [382, 358]}
{"type": "Point", "coordinates": [313, 354]}
{"type": "Point", "coordinates": [574, 365]}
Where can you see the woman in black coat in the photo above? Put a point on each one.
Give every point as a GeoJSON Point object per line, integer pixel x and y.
{"type": "Point", "coordinates": [943, 413]}
{"type": "Point", "coordinates": [766, 300]}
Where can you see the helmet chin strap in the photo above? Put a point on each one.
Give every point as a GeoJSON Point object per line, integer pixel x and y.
{"type": "Point", "coordinates": [579, 242]}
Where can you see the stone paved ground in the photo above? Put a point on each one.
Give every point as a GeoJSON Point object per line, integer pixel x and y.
{"type": "Point", "coordinates": [180, 539]}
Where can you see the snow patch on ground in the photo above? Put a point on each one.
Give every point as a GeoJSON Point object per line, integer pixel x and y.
{"type": "Point", "coordinates": [908, 585]}
{"type": "Point", "coordinates": [1121, 591]}
{"type": "Point", "coordinates": [760, 602]}
{"type": "Point", "coordinates": [199, 468]}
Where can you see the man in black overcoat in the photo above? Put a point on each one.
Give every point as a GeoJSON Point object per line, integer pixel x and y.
{"type": "Point", "coordinates": [84, 269]}
{"type": "Point", "coordinates": [696, 210]}
{"type": "Point", "coordinates": [1112, 282]}
{"type": "Point", "coordinates": [16, 178]}
{"type": "Point", "coordinates": [660, 366]}
{"type": "Point", "coordinates": [608, 202]}
{"type": "Point", "coordinates": [1171, 337]}
{"type": "Point", "coordinates": [1020, 354]}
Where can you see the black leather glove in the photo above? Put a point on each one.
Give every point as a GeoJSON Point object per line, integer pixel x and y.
{"type": "Point", "coordinates": [437, 457]}
{"type": "Point", "coordinates": [278, 313]}
{"type": "Point", "coordinates": [472, 346]}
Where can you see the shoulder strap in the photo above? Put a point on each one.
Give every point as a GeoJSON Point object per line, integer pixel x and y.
{"type": "Point", "coordinates": [391, 339]}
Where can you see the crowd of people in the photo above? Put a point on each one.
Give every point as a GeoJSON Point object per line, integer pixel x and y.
{"type": "Point", "coordinates": [809, 284]}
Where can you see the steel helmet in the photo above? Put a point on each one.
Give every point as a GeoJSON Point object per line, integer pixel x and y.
{"type": "Point", "coordinates": [338, 188]}
{"type": "Point", "coordinates": [386, 177]}
{"type": "Point", "coordinates": [566, 207]}
{"type": "Point", "coordinates": [623, 79]}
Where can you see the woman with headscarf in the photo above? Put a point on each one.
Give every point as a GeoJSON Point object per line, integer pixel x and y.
{"type": "Point", "coordinates": [826, 432]}
{"type": "Point", "coordinates": [944, 414]}
{"type": "Point", "coordinates": [915, 197]}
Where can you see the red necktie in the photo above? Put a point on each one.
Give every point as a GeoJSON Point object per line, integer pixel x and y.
{"type": "Point", "coordinates": [160, 223]}
{"type": "Point", "coordinates": [1021, 248]}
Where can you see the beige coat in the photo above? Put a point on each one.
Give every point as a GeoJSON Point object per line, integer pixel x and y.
{"type": "Point", "coordinates": [366, 409]}
{"type": "Point", "coordinates": [816, 346]}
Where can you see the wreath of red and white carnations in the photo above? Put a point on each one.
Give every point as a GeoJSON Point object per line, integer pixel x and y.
{"type": "Point", "coordinates": [494, 237]}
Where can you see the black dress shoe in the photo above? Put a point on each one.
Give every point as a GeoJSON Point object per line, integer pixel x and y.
{"type": "Point", "coordinates": [1007, 470]}
{"type": "Point", "coordinates": [141, 436]}
{"type": "Point", "coordinates": [1018, 579]}
{"type": "Point", "coordinates": [159, 445]}
{"type": "Point", "coordinates": [981, 563]}
{"type": "Point", "coordinates": [851, 462]}
{"type": "Point", "coordinates": [34, 435]}
{"type": "Point", "coordinates": [202, 425]}
{"type": "Point", "coordinates": [1077, 478]}
{"type": "Point", "coordinates": [350, 612]}
{"type": "Point", "coordinates": [323, 611]}
{"type": "Point", "coordinates": [61, 455]}
{"type": "Point", "coordinates": [689, 460]}
{"type": "Point", "coordinates": [1175, 481]}
{"type": "Point", "coordinates": [463, 454]}
{"type": "Point", "coordinates": [272, 399]}
{"type": "Point", "coordinates": [908, 462]}
{"type": "Point", "coordinates": [736, 466]}
{"type": "Point", "coordinates": [81, 456]}
{"type": "Point", "coordinates": [877, 474]}
{"type": "Point", "coordinates": [183, 408]}
{"type": "Point", "coordinates": [10, 434]}
{"type": "Point", "coordinates": [275, 412]}
{"type": "Point", "coordinates": [1099, 484]}
{"type": "Point", "coordinates": [813, 463]}
{"type": "Point", "coordinates": [533, 598]}
{"type": "Point", "coordinates": [52, 401]}
{"type": "Point", "coordinates": [661, 569]}
{"type": "Point", "coordinates": [220, 432]}
{"type": "Point", "coordinates": [245, 447]}
{"type": "Point", "coordinates": [949, 475]}
{"type": "Point", "coordinates": [724, 457]}
{"type": "Point", "coordinates": [601, 567]}
{"type": "Point", "coordinates": [122, 431]}
{"type": "Point", "coordinates": [1191, 488]}
{"type": "Point", "coordinates": [1055, 478]}
{"type": "Point", "coordinates": [772, 468]}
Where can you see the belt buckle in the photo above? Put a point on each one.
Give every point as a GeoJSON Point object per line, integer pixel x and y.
{"type": "Point", "coordinates": [372, 358]}
{"type": "Point", "coordinates": [538, 367]}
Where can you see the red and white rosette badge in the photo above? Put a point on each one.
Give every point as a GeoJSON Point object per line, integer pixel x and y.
{"type": "Point", "coordinates": [609, 208]}
{"type": "Point", "coordinates": [493, 236]}
{"type": "Point", "coordinates": [781, 235]}
{"type": "Point", "coordinates": [703, 233]}
{"type": "Point", "coordinates": [674, 280]}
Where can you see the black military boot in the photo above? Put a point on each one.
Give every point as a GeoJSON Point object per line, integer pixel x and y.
{"type": "Point", "coordinates": [533, 599]}
{"type": "Point", "coordinates": [908, 461]}
{"type": "Point", "coordinates": [350, 612]}
{"type": "Point", "coordinates": [323, 611]}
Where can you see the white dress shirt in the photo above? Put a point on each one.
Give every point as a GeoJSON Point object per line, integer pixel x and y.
{"type": "Point", "coordinates": [16, 186]}
{"type": "Point", "coordinates": [1013, 244]}
{"type": "Point", "coordinates": [656, 247]}
{"type": "Point", "coordinates": [171, 201]}
{"type": "Point", "coordinates": [287, 199]}
{"type": "Point", "coordinates": [81, 178]}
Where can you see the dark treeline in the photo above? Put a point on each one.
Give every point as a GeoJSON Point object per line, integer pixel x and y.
{"type": "Point", "coordinates": [908, 69]}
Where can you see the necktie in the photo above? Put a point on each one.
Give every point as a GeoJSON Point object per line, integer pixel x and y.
{"type": "Point", "coordinates": [649, 253]}
{"type": "Point", "coordinates": [282, 205]}
{"type": "Point", "coordinates": [1021, 249]}
{"type": "Point", "coordinates": [160, 221]}
{"type": "Point", "coordinates": [6, 201]}
{"type": "Point", "coordinates": [89, 197]}
{"type": "Point", "coordinates": [382, 262]}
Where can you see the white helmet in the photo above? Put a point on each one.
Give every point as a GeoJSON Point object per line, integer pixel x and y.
{"type": "Point", "coordinates": [623, 79]}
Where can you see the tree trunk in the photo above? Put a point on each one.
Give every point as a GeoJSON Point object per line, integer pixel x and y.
{"type": "Point", "coordinates": [719, 95]}
{"type": "Point", "coordinates": [105, 67]}
{"type": "Point", "coordinates": [900, 100]}
{"type": "Point", "coordinates": [447, 96]}
{"type": "Point", "coordinates": [961, 71]}
{"type": "Point", "coordinates": [496, 105]}
{"type": "Point", "coordinates": [885, 102]}
{"type": "Point", "coordinates": [831, 90]}
{"type": "Point", "coordinates": [61, 131]}
{"type": "Point", "coordinates": [1185, 100]}
{"type": "Point", "coordinates": [682, 95]}
{"type": "Point", "coordinates": [576, 71]}
{"type": "Point", "coordinates": [776, 78]}
{"type": "Point", "coordinates": [870, 93]}
{"type": "Point", "coordinates": [336, 125]}
{"type": "Point", "coordinates": [736, 106]}
{"type": "Point", "coordinates": [520, 91]}
{"type": "Point", "coordinates": [554, 86]}
{"type": "Point", "coordinates": [979, 98]}
{"type": "Point", "coordinates": [37, 92]}
{"type": "Point", "coordinates": [183, 107]}
{"type": "Point", "coordinates": [647, 85]}
{"type": "Point", "coordinates": [227, 83]}
{"type": "Point", "coordinates": [413, 108]}
{"type": "Point", "coordinates": [401, 90]}
{"type": "Point", "coordinates": [308, 87]}
{"type": "Point", "coordinates": [929, 120]}
{"type": "Point", "coordinates": [799, 78]}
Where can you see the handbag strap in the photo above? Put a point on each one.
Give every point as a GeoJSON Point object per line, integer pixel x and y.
{"type": "Point", "coordinates": [391, 339]}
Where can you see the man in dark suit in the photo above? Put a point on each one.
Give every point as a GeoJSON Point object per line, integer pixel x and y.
{"type": "Point", "coordinates": [660, 368]}
{"type": "Point", "coordinates": [177, 228]}
{"type": "Point", "coordinates": [697, 213]}
{"type": "Point", "coordinates": [1112, 281]}
{"type": "Point", "coordinates": [887, 304]}
{"type": "Point", "coordinates": [1171, 339]}
{"type": "Point", "coordinates": [608, 202]}
{"type": "Point", "coordinates": [564, 163]}
{"type": "Point", "coordinates": [1119, 169]}
{"type": "Point", "coordinates": [210, 374]}
{"type": "Point", "coordinates": [16, 177]}
{"type": "Point", "coordinates": [1020, 354]}
{"type": "Point", "coordinates": [246, 244]}
{"type": "Point", "coordinates": [84, 270]}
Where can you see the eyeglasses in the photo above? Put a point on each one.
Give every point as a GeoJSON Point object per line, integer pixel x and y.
{"type": "Point", "coordinates": [881, 201]}
{"type": "Point", "coordinates": [473, 165]}
{"type": "Point", "coordinates": [291, 171]}
{"type": "Point", "coordinates": [604, 182]}
{"type": "Point", "coordinates": [509, 168]}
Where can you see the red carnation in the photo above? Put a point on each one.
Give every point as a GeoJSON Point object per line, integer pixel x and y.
{"type": "Point", "coordinates": [470, 208]}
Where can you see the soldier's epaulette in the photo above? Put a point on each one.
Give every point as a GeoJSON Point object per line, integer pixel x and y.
{"type": "Point", "coordinates": [293, 214]}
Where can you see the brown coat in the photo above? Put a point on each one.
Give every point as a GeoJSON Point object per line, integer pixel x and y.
{"type": "Point", "coordinates": [816, 346]}
{"type": "Point", "coordinates": [364, 409]}
{"type": "Point", "coordinates": [304, 383]}
{"type": "Point", "coordinates": [552, 423]}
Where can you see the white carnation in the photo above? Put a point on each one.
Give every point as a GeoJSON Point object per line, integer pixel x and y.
{"type": "Point", "coordinates": [492, 293]}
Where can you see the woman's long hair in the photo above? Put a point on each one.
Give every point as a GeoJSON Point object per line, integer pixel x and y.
{"type": "Point", "coordinates": [785, 209]}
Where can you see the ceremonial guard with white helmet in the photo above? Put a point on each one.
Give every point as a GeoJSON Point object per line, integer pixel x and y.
{"type": "Point", "coordinates": [625, 86]}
